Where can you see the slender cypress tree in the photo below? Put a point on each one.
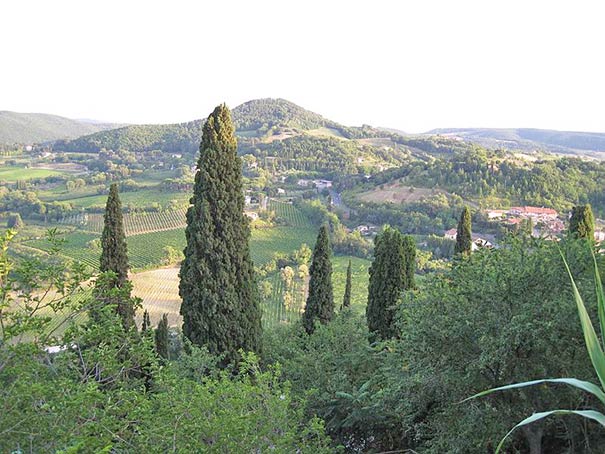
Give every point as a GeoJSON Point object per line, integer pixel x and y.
{"type": "Point", "coordinates": [146, 322]}
{"type": "Point", "coordinates": [346, 300]}
{"type": "Point", "coordinates": [464, 240]}
{"type": "Point", "coordinates": [409, 254]}
{"type": "Point", "coordinates": [387, 282]}
{"type": "Point", "coordinates": [161, 338]}
{"type": "Point", "coordinates": [220, 305]}
{"type": "Point", "coordinates": [114, 257]}
{"type": "Point", "coordinates": [320, 302]}
{"type": "Point", "coordinates": [581, 223]}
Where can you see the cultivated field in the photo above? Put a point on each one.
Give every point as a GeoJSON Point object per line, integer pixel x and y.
{"type": "Point", "coordinates": [134, 224]}
{"type": "Point", "coordinates": [397, 193]}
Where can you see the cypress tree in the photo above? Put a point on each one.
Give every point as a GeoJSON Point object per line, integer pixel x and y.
{"type": "Point", "coordinates": [320, 301]}
{"type": "Point", "coordinates": [220, 305]}
{"type": "Point", "coordinates": [463, 235]}
{"type": "Point", "coordinates": [146, 322]}
{"type": "Point", "coordinates": [409, 255]}
{"type": "Point", "coordinates": [387, 282]}
{"type": "Point", "coordinates": [346, 300]}
{"type": "Point", "coordinates": [581, 223]}
{"type": "Point", "coordinates": [161, 338]}
{"type": "Point", "coordinates": [15, 221]}
{"type": "Point", "coordinates": [114, 256]}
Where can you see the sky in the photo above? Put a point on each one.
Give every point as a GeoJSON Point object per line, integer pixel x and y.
{"type": "Point", "coordinates": [409, 65]}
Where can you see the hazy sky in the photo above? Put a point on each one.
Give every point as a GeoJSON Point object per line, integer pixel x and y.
{"type": "Point", "coordinates": [411, 65]}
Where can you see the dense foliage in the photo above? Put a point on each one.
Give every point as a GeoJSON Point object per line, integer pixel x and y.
{"type": "Point", "coordinates": [220, 305]}
{"type": "Point", "coordinates": [487, 322]}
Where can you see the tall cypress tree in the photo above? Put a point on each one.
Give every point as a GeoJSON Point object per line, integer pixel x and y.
{"type": "Point", "coordinates": [220, 305]}
{"type": "Point", "coordinates": [320, 301]}
{"type": "Point", "coordinates": [114, 256]}
{"type": "Point", "coordinates": [146, 322]}
{"type": "Point", "coordinates": [409, 255]}
{"type": "Point", "coordinates": [387, 282]}
{"type": "Point", "coordinates": [346, 300]}
{"type": "Point", "coordinates": [581, 223]}
{"type": "Point", "coordinates": [464, 242]}
{"type": "Point", "coordinates": [161, 337]}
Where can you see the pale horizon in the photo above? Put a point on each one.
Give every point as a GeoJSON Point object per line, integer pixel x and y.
{"type": "Point", "coordinates": [411, 67]}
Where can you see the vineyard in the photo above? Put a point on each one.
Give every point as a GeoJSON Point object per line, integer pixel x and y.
{"type": "Point", "coordinates": [144, 251]}
{"type": "Point", "coordinates": [149, 234]}
{"type": "Point", "coordinates": [134, 223]}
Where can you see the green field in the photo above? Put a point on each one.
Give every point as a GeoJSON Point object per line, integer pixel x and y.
{"type": "Point", "coordinates": [140, 198]}
{"type": "Point", "coordinates": [12, 174]}
{"type": "Point", "coordinates": [149, 233]}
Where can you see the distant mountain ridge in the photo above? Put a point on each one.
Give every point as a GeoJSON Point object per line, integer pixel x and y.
{"type": "Point", "coordinates": [529, 139]}
{"type": "Point", "coordinates": [29, 128]}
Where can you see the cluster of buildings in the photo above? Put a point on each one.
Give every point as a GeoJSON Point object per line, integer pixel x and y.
{"type": "Point", "coordinates": [547, 218]}
{"type": "Point", "coordinates": [545, 222]}
{"type": "Point", "coordinates": [317, 184]}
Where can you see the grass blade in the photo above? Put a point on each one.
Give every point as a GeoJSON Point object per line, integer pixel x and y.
{"type": "Point", "coordinates": [600, 298]}
{"type": "Point", "coordinates": [580, 384]}
{"type": "Point", "coordinates": [590, 337]}
{"type": "Point", "coordinates": [589, 414]}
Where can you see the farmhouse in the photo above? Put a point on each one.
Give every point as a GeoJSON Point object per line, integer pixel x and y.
{"type": "Point", "coordinates": [322, 184]}
{"type": "Point", "coordinates": [451, 234]}
{"type": "Point", "coordinates": [496, 214]}
{"type": "Point", "coordinates": [253, 215]}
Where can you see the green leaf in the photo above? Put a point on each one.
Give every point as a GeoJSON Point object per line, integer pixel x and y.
{"type": "Point", "coordinates": [590, 337]}
{"type": "Point", "coordinates": [589, 414]}
{"type": "Point", "coordinates": [600, 298]}
{"type": "Point", "coordinates": [583, 385]}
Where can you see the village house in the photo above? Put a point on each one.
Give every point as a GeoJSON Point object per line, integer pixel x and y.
{"type": "Point", "coordinates": [253, 215]}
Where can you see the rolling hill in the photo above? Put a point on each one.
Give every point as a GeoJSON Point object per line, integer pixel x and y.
{"type": "Point", "coordinates": [29, 128]}
{"type": "Point", "coordinates": [267, 119]}
{"type": "Point", "coordinates": [527, 139]}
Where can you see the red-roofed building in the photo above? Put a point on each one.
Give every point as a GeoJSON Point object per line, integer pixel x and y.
{"type": "Point", "coordinates": [537, 213]}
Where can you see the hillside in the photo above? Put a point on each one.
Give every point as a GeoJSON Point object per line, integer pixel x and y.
{"type": "Point", "coordinates": [179, 137]}
{"type": "Point", "coordinates": [527, 139]}
{"type": "Point", "coordinates": [29, 128]}
{"type": "Point", "coordinates": [267, 119]}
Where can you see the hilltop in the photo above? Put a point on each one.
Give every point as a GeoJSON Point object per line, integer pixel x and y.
{"type": "Point", "coordinates": [270, 113]}
{"type": "Point", "coordinates": [29, 128]}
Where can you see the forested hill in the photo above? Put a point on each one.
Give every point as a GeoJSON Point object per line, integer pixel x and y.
{"type": "Point", "coordinates": [270, 119]}
{"type": "Point", "coordinates": [531, 139]}
{"type": "Point", "coordinates": [179, 137]}
{"type": "Point", "coordinates": [274, 128]}
{"type": "Point", "coordinates": [29, 128]}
